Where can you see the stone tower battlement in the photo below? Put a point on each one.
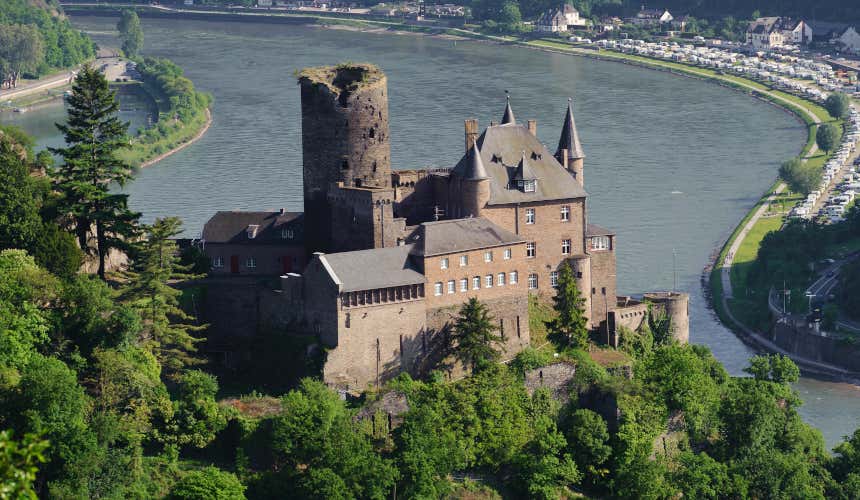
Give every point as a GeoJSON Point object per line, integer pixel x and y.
{"type": "Point", "coordinates": [676, 306]}
{"type": "Point", "coordinates": [345, 138]}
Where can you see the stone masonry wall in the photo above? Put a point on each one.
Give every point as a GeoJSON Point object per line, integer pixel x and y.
{"type": "Point", "coordinates": [603, 293]}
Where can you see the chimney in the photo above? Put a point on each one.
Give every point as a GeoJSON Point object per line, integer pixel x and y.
{"type": "Point", "coordinates": [533, 127]}
{"type": "Point", "coordinates": [564, 153]}
{"type": "Point", "coordinates": [252, 231]}
{"type": "Point", "coordinates": [282, 211]}
{"type": "Point", "coordinates": [471, 128]}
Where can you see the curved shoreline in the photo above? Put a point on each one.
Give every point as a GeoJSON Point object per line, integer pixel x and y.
{"type": "Point", "coordinates": [199, 135]}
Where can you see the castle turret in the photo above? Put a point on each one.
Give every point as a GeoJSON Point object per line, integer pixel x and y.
{"type": "Point", "coordinates": [508, 117]}
{"type": "Point", "coordinates": [569, 151]}
{"type": "Point", "coordinates": [676, 307]}
{"type": "Point", "coordinates": [344, 138]}
{"type": "Point", "coordinates": [475, 184]}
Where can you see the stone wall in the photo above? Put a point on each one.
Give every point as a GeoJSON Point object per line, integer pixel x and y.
{"type": "Point", "coordinates": [800, 340]}
{"type": "Point", "coordinates": [603, 292]}
{"type": "Point", "coordinates": [363, 218]}
{"type": "Point", "coordinates": [270, 259]}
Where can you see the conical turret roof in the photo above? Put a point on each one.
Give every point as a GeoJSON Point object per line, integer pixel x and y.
{"type": "Point", "coordinates": [524, 170]}
{"type": "Point", "coordinates": [509, 113]}
{"type": "Point", "coordinates": [475, 170]}
{"type": "Point", "coordinates": [569, 136]}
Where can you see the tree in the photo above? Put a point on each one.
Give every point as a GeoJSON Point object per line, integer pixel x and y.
{"type": "Point", "coordinates": [800, 177]}
{"type": "Point", "coordinates": [571, 325]}
{"type": "Point", "coordinates": [544, 468]}
{"type": "Point", "coordinates": [475, 335]}
{"type": "Point", "coordinates": [130, 33]}
{"type": "Point", "coordinates": [166, 328]}
{"type": "Point", "coordinates": [429, 452]}
{"type": "Point", "coordinates": [773, 368]}
{"type": "Point", "coordinates": [827, 137]}
{"type": "Point", "coordinates": [21, 50]}
{"type": "Point", "coordinates": [588, 440]}
{"type": "Point", "coordinates": [19, 463]}
{"type": "Point", "coordinates": [838, 104]}
{"type": "Point", "coordinates": [196, 418]}
{"type": "Point", "coordinates": [207, 483]}
{"type": "Point", "coordinates": [90, 168]}
{"type": "Point", "coordinates": [510, 16]}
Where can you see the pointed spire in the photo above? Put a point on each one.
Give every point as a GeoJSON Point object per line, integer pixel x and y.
{"type": "Point", "coordinates": [475, 170]}
{"type": "Point", "coordinates": [569, 136]}
{"type": "Point", "coordinates": [509, 113]}
{"type": "Point", "coordinates": [524, 171]}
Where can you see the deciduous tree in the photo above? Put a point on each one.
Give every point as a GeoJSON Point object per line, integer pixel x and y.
{"type": "Point", "coordinates": [827, 137]}
{"type": "Point", "coordinates": [130, 33]}
{"type": "Point", "coordinates": [838, 104]}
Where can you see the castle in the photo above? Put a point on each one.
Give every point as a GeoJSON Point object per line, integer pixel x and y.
{"type": "Point", "coordinates": [380, 260]}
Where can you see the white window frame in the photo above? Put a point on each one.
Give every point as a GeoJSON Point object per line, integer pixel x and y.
{"type": "Point", "coordinates": [600, 243]}
{"type": "Point", "coordinates": [508, 254]}
{"type": "Point", "coordinates": [488, 281]}
{"type": "Point", "coordinates": [528, 186]}
{"type": "Point", "coordinates": [464, 260]}
{"type": "Point", "coordinates": [565, 213]}
{"type": "Point", "coordinates": [500, 279]}
{"type": "Point", "coordinates": [217, 262]}
{"type": "Point", "coordinates": [464, 284]}
{"type": "Point", "coordinates": [443, 263]}
{"type": "Point", "coordinates": [533, 281]}
{"type": "Point", "coordinates": [530, 216]}
{"type": "Point", "coordinates": [437, 288]}
{"type": "Point", "coordinates": [476, 283]}
{"type": "Point", "coordinates": [488, 256]}
{"type": "Point", "coordinates": [287, 234]}
{"type": "Point", "coordinates": [553, 279]}
{"type": "Point", "coordinates": [251, 262]}
{"type": "Point", "coordinates": [565, 247]}
{"type": "Point", "coordinates": [452, 286]}
{"type": "Point", "coordinates": [512, 278]}
{"type": "Point", "coordinates": [531, 250]}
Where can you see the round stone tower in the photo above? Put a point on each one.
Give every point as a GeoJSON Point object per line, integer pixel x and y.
{"type": "Point", "coordinates": [344, 136]}
{"type": "Point", "coordinates": [676, 307]}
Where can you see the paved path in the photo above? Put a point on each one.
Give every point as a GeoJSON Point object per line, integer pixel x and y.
{"type": "Point", "coordinates": [43, 84]}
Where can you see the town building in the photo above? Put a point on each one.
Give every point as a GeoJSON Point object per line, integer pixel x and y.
{"type": "Point", "coordinates": [766, 33]}
{"type": "Point", "coordinates": [650, 17]}
{"type": "Point", "coordinates": [560, 20]}
{"type": "Point", "coordinates": [393, 254]}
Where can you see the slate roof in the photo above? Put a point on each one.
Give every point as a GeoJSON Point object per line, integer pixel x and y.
{"type": "Point", "coordinates": [595, 230]}
{"type": "Point", "coordinates": [569, 139]}
{"type": "Point", "coordinates": [474, 166]}
{"type": "Point", "coordinates": [508, 117]}
{"type": "Point", "coordinates": [459, 235]}
{"type": "Point", "coordinates": [501, 148]}
{"type": "Point", "coordinates": [232, 226]}
{"type": "Point", "coordinates": [524, 172]}
{"type": "Point", "coordinates": [372, 269]}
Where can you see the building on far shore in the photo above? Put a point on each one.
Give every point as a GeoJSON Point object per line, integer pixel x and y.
{"type": "Point", "coordinates": [766, 33]}
{"type": "Point", "coordinates": [560, 20]}
{"type": "Point", "coordinates": [650, 17]}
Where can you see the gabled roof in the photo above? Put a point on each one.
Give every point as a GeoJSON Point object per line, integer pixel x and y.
{"type": "Point", "coordinates": [459, 235]}
{"type": "Point", "coordinates": [232, 227]}
{"type": "Point", "coordinates": [524, 171]}
{"type": "Point", "coordinates": [372, 269]}
{"type": "Point", "coordinates": [475, 170]}
{"type": "Point", "coordinates": [570, 136]}
{"type": "Point", "coordinates": [501, 148]}
{"type": "Point", "coordinates": [595, 230]}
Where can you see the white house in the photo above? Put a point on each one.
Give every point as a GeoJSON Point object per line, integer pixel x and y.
{"type": "Point", "coordinates": [651, 17]}
{"type": "Point", "coordinates": [849, 40]}
{"type": "Point", "coordinates": [767, 33]}
{"type": "Point", "coordinates": [560, 20]}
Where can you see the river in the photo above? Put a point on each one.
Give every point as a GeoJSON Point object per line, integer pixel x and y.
{"type": "Point", "coordinates": [672, 163]}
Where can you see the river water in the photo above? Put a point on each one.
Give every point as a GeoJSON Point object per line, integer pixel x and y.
{"type": "Point", "coordinates": [672, 163]}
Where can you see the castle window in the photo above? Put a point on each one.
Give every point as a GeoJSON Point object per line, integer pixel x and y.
{"type": "Point", "coordinates": [344, 165]}
{"type": "Point", "coordinates": [476, 283]}
{"type": "Point", "coordinates": [565, 213]}
{"type": "Point", "coordinates": [437, 288]}
{"type": "Point", "coordinates": [565, 247]}
{"type": "Point", "coordinates": [372, 133]}
{"type": "Point", "coordinates": [512, 277]}
{"type": "Point", "coordinates": [488, 256]}
{"type": "Point", "coordinates": [217, 262]}
{"type": "Point", "coordinates": [444, 263]}
{"type": "Point", "coordinates": [579, 275]}
{"type": "Point", "coordinates": [502, 328]}
{"type": "Point", "coordinates": [464, 285]}
{"type": "Point", "coordinates": [600, 243]}
{"type": "Point", "coordinates": [452, 286]}
{"type": "Point", "coordinates": [464, 260]}
{"type": "Point", "coordinates": [488, 281]}
{"type": "Point", "coordinates": [287, 234]}
{"type": "Point", "coordinates": [533, 281]}
{"type": "Point", "coordinates": [553, 279]}
{"type": "Point", "coordinates": [531, 250]}
{"type": "Point", "coordinates": [507, 254]}
{"type": "Point", "coordinates": [251, 263]}
{"type": "Point", "coordinates": [500, 279]}
{"type": "Point", "coordinates": [527, 186]}
{"type": "Point", "coordinates": [530, 216]}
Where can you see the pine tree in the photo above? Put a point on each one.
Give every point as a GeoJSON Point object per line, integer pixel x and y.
{"type": "Point", "coordinates": [571, 325]}
{"type": "Point", "coordinates": [167, 330]}
{"type": "Point", "coordinates": [90, 168]}
{"type": "Point", "coordinates": [475, 335]}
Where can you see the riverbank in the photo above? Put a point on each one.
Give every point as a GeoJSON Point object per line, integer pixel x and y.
{"type": "Point", "coordinates": [183, 145]}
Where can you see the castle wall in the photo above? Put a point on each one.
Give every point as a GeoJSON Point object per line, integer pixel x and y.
{"type": "Point", "coordinates": [580, 266]}
{"type": "Point", "coordinates": [270, 259]}
{"type": "Point", "coordinates": [415, 195]}
{"type": "Point", "coordinates": [363, 218]}
{"type": "Point", "coordinates": [677, 308]}
{"type": "Point", "coordinates": [602, 292]}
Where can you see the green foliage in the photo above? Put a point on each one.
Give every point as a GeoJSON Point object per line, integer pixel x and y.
{"type": "Point", "coordinates": [19, 464]}
{"type": "Point", "coordinates": [801, 177]}
{"type": "Point", "coordinates": [588, 441]}
{"type": "Point", "coordinates": [196, 418]}
{"type": "Point", "coordinates": [529, 359]}
{"type": "Point", "coordinates": [848, 293]}
{"type": "Point", "coordinates": [774, 368]}
{"type": "Point", "coordinates": [838, 104]}
{"type": "Point", "coordinates": [130, 33]}
{"type": "Point", "coordinates": [827, 137]}
{"type": "Point", "coordinates": [570, 327]}
{"type": "Point", "coordinates": [700, 476]}
{"type": "Point", "coordinates": [428, 452]}
{"type": "Point", "coordinates": [475, 336]}
{"type": "Point", "coordinates": [544, 467]}
{"type": "Point", "coordinates": [90, 168]}
{"type": "Point", "coordinates": [21, 51]}
{"type": "Point", "coordinates": [209, 483]}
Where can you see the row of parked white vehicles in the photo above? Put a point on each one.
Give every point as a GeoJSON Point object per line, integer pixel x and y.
{"type": "Point", "coordinates": [840, 181]}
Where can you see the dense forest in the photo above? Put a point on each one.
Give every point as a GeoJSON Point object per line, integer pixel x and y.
{"type": "Point", "coordinates": [35, 38]}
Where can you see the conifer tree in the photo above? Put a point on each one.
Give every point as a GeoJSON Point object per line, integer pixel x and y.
{"type": "Point", "coordinates": [571, 325]}
{"type": "Point", "coordinates": [167, 329]}
{"type": "Point", "coordinates": [90, 168]}
{"type": "Point", "coordinates": [475, 335]}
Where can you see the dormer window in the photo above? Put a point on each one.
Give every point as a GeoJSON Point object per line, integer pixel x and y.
{"type": "Point", "coordinates": [527, 186]}
{"type": "Point", "coordinates": [287, 234]}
